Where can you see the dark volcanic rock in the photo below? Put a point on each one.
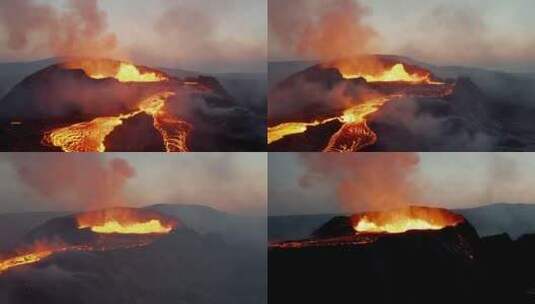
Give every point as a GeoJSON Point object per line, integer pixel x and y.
{"type": "Point", "coordinates": [135, 134]}
{"type": "Point", "coordinates": [411, 267]}
{"type": "Point", "coordinates": [57, 97]}
{"type": "Point", "coordinates": [337, 226]}
{"type": "Point", "coordinates": [182, 267]}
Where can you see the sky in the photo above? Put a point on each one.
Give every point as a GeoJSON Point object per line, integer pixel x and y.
{"type": "Point", "coordinates": [231, 182]}
{"type": "Point", "coordinates": [206, 35]}
{"type": "Point", "coordinates": [450, 180]}
{"type": "Point", "coordinates": [232, 35]}
{"type": "Point", "coordinates": [484, 33]}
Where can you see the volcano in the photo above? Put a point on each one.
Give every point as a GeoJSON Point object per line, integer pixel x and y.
{"type": "Point", "coordinates": [102, 230]}
{"type": "Point", "coordinates": [131, 255]}
{"type": "Point", "coordinates": [97, 105]}
{"type": "Point", "coordinates": [344, 105]}
{"type": "Point", "coordinates": [407, 255]}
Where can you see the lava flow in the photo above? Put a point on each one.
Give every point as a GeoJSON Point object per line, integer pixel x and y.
{"type": "Point", "coordinates": [353, 136]}
{"type": "Point", "coordinates": [391, 82]}
{"type": "Point", "coordinates": [125, 221]}
{"type": "Point", "coordinates": [28, 257]}
{"type": "Point", "coordinates": [90, 136]}
{"type": "Point", "coordinates": [402, 220]}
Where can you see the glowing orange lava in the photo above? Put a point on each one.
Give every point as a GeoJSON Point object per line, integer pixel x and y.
{"type": "Point", "coordinates": [355, 134]}
{"type": "Point", "coordinates": [280, 131]}
{"type": "Point", "coordinates": [85, 136]}
{"type": "Point", "coordinates": [402, 220]}
{"type": "Point", "coordinates": [396, 73]}
{"type": "Point", "coordinates": [353, 120]}
{"type": "Point", "coordinates": [121, 71]}
{"type": "Point", "coordinates": [113, 226]}
{"type": "Point", "coordinates": [24, 259]}
{"type": "Point", "coordinates": [90, 136]}
{"type": "Point", "coordinates": [125, 221]}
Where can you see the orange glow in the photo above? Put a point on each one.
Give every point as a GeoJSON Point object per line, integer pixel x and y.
{"type": "Point", "coordinates": [355, 134]}
{"type": "Point", "coordinates": [395, 73]}
{"type": "Point", "coordinates": [90, 136]}
{"type": "Point", "coordinates": [402, 220]}
{"type": "Point", "coordinates": [353, 120]}
{"type": "Point", "coordinates": [84, 136]}
{"type": "Point", "coordinates": [109, 221]}
{"type": "Point", "coordinates": [280, 131]}
{"type": "Point", "coordinates": [121, 71]}
{"type": "Point", "coordinates": [113, 226]}
{"type": "Point", "coordinates": [125, 221]}
{"type": "Point", "coordinates": [25, 258]}
{"type": "Point", "coordinates": [358, 113]}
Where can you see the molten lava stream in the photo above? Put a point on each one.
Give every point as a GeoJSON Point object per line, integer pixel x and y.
{"type": "Point", "coordinates": [289, 128]}
{"type": "Point", "coordinates": [174, 131]}
{"type": "Point", "coordinates": [354, 134]}
{"type": "Point", "coordinates": [85, 136]}
{"type": "Point", "coordinates": [24, 259]}
{"type": "Point", "coordinates": [90, 136]}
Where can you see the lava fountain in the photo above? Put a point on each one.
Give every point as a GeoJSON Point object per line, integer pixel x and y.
{"type": "Point", "coordinates": [125, 221]}
{"type": "Point", "coordinates": [121, 71]}
{"type": "Point", "coordinates": [396, 73]}
{"type": "Point", "coordinates": [403, 220]}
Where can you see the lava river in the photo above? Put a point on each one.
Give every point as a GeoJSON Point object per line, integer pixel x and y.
{"type": "Point", "coordinates": [89, 136]}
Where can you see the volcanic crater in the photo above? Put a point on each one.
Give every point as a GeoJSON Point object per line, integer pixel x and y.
{"type": "Point", "coordinates": [79, 105]}
{"type": "Point", "coordinates": [352, 93]}
{"type": "Point", "coordinates": [409, 255]}
{"type": "Point", "coordinates": [101, 230]}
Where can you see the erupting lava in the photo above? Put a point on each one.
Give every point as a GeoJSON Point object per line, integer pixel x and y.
{"type": "Point", "coordinates": [113, 226]}
{"type": "Point", "coordinates": [396, 73]}
{"type": "Point", "coordinates": [402, 220]}
{"type": "Point", "coordinates": [121, 71]}
{"type": "Point", "coordinates": [125, 221]}
{"type": "Point", "coordinates": [390, 81]}
{"type": "Point", "coordinates": [90, 136]}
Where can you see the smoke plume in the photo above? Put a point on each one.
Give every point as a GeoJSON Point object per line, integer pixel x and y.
{"type": "Point", "coordinates": [204, 35]}
{"type": "Point", "coordinates": [365, 181]}
{"type": "Point", "coordinates": [319, 29]}
{"type": "Point", "coordinates": [74, 181]}
{"type": "Point", "coordinates": [79, 30]}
